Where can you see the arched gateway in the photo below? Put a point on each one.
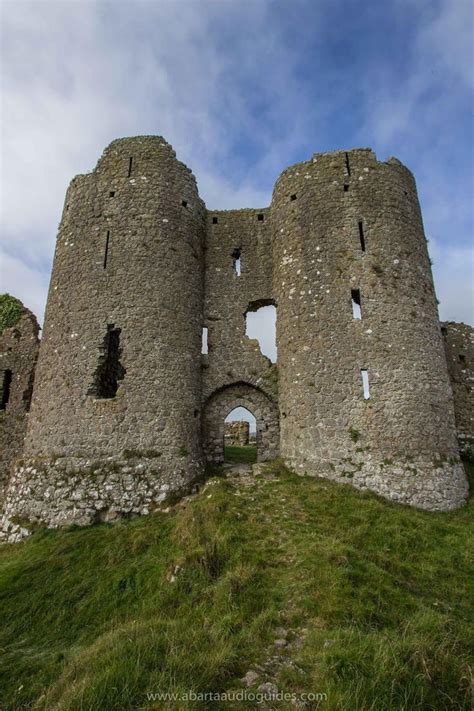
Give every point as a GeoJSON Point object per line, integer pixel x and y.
{"type": "Point", "coordinates": [223, 401]}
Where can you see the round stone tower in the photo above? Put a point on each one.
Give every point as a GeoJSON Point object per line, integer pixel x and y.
{"type": "Point", "coordinates": [363, 388]}
{"type": "Point", "coordinates": [115, 414]}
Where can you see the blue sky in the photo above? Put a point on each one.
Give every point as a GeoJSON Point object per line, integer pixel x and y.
{"type": "Point", "coordinates": [241, 90]}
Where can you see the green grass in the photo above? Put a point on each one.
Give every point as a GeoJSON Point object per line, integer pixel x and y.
{"type": "Point", "coordinates": [246, 454]}
{"type": "Point", "coordinates": [95, 618]}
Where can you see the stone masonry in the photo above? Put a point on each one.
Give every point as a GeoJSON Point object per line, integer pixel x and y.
{"type": "Point", "coordinates": [19, 346]}
{"type": "Point", "coordinates": [459, 348]}
{"type": "Point", "coordinates": [236, 433]}
{"type": "Point", "coordinates": [126, 407]}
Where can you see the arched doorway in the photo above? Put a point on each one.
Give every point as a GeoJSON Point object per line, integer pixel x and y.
{"type": "Point", "coordinates": [240, 436]}
{"type": "Point", "coordinates": [226, 399]}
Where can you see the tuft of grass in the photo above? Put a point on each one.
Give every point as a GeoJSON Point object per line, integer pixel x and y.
{"type": "Point", "coordinates": [377, 599]}
{"type": "Point", "coordinates": [354, 434]}
{"type": "Point", "coordinates": [246, 454]}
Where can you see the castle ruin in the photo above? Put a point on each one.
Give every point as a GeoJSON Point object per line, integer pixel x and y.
{"type": "Point", "coordinates": [126, 408]}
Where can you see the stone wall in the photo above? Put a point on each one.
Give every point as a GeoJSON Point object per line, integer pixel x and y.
{"type": "Point", "coordinates": [459, 347]}
{"type": "Point", "coordinates": [18, 353]}
{"type": "Point", "coordinates": [124, 394]}
{"type": "Point", "coordinates": [236, 433]}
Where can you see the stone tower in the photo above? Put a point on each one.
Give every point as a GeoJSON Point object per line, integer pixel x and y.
{"type": "Point", "coordinates": [126, 408]}
{"type": "Point", "coordinates": [364, 390]}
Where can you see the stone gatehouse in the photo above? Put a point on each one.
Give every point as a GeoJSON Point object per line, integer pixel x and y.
{"type": "Point", "coordinates": [126, 406]}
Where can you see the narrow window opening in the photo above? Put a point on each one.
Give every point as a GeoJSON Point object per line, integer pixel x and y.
{"type": "Point", "coordinates": [214, 220]}
{"type": "Point", "coordinates": [109, 370]}
{"type": "Point", "coordinates": [130, 165]}
{"type": "Point", "coordinates": [196, 413]}
{"type": "Point", "coordinates": [106, 251]}
{"type": "Point", "coordinates": [365, 383]}
{"type": "Point", "coordinates": [356, 305]}
{"type": "Point", "coordinates": [67, 207]}
{"type": "Point", "coordinates": [348, 165]}
{"type": "Point", "coordinates": [6, 385]}
{"type": "Point", "coordinates": [346, 188]}
{"type": "Point", "coordinates": [361, 236]}
{"type": "Point", "coordinates": [260, 324]}
{"type": "Point", "coordinates": [292, 197]}
{"type": "Point", "coordinates": [28, 393]}
{"type": "Point", "coordinates": [444, 330]}
{"type": "Point", "coordinates": [236, 260]}
{"type": "Point", "coordinates": [462, 358]}
{"type": "Point", "coordinates": [260, 218]}
{"type": "Point", "coordinates": [112, 193]}
{"type": "Point", "coordinates": [184, 203]}
{"type": "Point", "coordinates": [205, 345]}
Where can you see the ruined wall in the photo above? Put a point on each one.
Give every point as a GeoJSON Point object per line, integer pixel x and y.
{"type": "Point", "coordinates": [236, 433]}
{"type": "Point", "coordinates": [129, 258]}
{"type": "Point", "coordinates": [459, 348]}
{"type": "Point", "coordinates": [18, 353]}
{"type": "Point", "coordinates": [125, 405]}
{"type": "Point", "coordinates": [341, 223]}
{"type": "Point", "coordinates": [234, 363]}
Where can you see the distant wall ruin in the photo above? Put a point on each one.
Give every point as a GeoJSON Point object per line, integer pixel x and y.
{"type": "Point", "coordinates": [19, 346]}
{"type": "Point", "coordinates": [459, 347]}
{"type": "Point", "coordinates": [237, 433]}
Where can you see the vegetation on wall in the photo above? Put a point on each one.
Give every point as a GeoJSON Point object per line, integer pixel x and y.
{"type": "Point", "coordinates": [10, 311]}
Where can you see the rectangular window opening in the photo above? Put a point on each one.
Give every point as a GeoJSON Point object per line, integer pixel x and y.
{"type": "Point", "coordinates": [361, 236]}
{"type": "Point", "coordinates": [236, 261]}
{"type": "Point", "coordinates": [6, 385]}
{"type": "Point", "coordinates": [130, 165]}
{"type": "Point", "coordinates": [292, 197]}
{"type": "Point", "coordinates": [205, 346]}
{"type": "Point", "coordinates": [112, 193]}
{"type": "Point", "coordinates": [365, 382]}
{"type": "Point", "coordinates": [109, 369]}
{"type": "Point", "coordinates": [348, 165]}
{"type": "Point", "coordinates": [214, 220]}
{"type": "Point", "coordinates": [346, 188]}
{"type": "Point", "coordinates": [106, 252]}
{"type": "Point", "coordinates": [184, 203]}
{"type": "Point", "coordinates": [260, 218]}
{"type": "Point", "coordinates": [356, 305]}
{"type": "Point", "coordinates": [462, 358]}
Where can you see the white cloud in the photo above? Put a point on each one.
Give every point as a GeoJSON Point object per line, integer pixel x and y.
{"type": "Point", "coordinates": [453, 269]}
{"type": "Point", "coordinates": [261, 325]}
{"type": "Point", "coordinates": [26, 283]}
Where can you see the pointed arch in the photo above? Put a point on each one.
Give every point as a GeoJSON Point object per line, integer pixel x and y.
{"type": "Point", "coordinates": [253, 399]}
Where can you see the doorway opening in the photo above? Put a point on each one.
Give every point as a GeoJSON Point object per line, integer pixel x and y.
{"type": "Point", "coordinates": [240, 436]}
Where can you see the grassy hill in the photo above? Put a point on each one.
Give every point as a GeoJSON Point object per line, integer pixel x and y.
{"type": "Point", "coordinates": [315, 587]}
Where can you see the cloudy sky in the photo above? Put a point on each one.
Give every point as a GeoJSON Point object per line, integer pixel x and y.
{"type": "Point", "coordinates": [241, 89]}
